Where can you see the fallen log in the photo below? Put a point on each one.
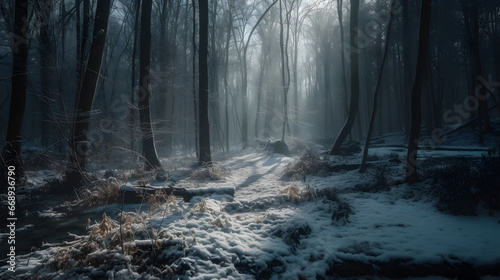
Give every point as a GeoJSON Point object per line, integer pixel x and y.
{"type": "Point", "coordinates": [139, 194]}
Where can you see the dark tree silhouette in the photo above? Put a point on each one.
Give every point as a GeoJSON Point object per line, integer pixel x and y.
{"type": "Point", "coordinates": [44, 8]}
{"type": "Point", "coordinates": [11, 155]}
{"type": "Point", "coordinates": [354, 102]}
{"type": "Point", "coordinates": [85, 96]}
{"type": "Point", "coordinates": [377, 90]}
{"type": "Point", "coordinates": [148, 143]}
{"type": "Point", "coordinates": [133, 111]}
{"type": "Point", "coordinates": [204, 129]}
{"type": "Point", "coordinates": [422, 57]}
{"type": "Point", "coordinates": [195, 104]}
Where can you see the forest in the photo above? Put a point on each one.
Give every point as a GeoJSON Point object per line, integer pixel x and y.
{"type": "Point", "coordinates": [259, 139]}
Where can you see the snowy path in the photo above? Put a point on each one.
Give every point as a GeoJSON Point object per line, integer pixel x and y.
{"type": "Point", "coordinates": [257, 177]}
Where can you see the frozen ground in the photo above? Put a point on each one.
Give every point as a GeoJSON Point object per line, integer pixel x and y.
{"type": "Point", "coordinates": [325, 226]}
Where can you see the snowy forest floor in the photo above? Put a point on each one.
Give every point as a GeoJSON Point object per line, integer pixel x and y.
{"type": "Point", "coordinates": [303, 216]}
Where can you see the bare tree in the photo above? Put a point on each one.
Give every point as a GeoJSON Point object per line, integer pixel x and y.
{"type": "Point", "coordinates": [362, 168]}
{"type": "Point", "coordinates": [204, 129]}
{"type": "Point", "coordinates": [44, 10]}
{"type": "Point", "coordinates": [285, 70]}
{"type": "Point", "coordinates": [85, 97]}
{"type": "Point", "coordinates": [11, 155]}
{"type": "Point", "coordinates": [243, 58]}
{"type": "Point", "coordinates": [422, 58]}
{"type": "Point", "coordinates": [195, 97]}
{"type": "Point", "coordinates": [354, 102]}
{"type": "Point", "coordinates": [148, 142]}
{"type": "Point", "coordinates": [133, 111]}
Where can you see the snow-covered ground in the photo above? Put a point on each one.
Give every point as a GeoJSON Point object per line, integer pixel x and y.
{"type": "Point", "coordinates": [321, 226]}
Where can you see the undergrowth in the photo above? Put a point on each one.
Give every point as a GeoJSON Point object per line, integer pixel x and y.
{"type": "Point", "coordinates": [463, 185]}
{"type": "Point", "coordinates": [212, 172]}
{"type": "Point", "coordinates": [308, 163]}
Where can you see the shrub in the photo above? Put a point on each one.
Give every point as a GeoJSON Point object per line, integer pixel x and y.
{"type": "Point", "coordinates": [488, 182]}
{"type": "Point", "coordinates": [377, 181]}
{"type": "Point", "coordinates": [293, 233]}
{"type": "Point", "coordinates": [309, 163]}
{"type": "Point", "coordinates": [456, 191]}
{"type": "Point", "coordinates": [341, 209]}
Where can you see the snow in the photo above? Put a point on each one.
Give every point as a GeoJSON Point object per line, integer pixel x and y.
{"type": "Point", "coordinates": [261, 233]}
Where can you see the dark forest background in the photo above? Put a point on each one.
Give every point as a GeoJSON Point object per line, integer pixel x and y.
{"type": "Point", "coordinates": [120, 82]}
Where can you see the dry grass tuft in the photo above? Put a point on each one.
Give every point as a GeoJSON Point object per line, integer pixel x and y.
{"type": "Point", "coordinates": [104, 227]}
{"type": "Point", "coordinates": [102, 192]}
{"type": "Point", "coordinates": [294, 191]}
{"type": "Point", "coordinates": [199, 207]}
{"type": "Point", "coordinates": [309, 163]}
{"type": "Point", "coordinates": [213, 172]}
{"type": "Point", "coordinates": [160, 197]}
{"type": "Point", "coordinates": [82, 252]}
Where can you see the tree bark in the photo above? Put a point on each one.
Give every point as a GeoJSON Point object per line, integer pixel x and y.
{"type": "Point", "coordinates": [285, 73]}
{"type": "Point", "coordinates": [226, 74]}
{"type": "Point", "coordinates": [362, 168]}
{"type": "Point", "coordinates": [204, 130]}
{"type": "Point", "coordinates": [195, 99]}
{"type": "Point", "coordinates": [422, 59]}
{"type": "Point", "coordinates": [354, 102]}
{"type": "Point", "coordinates": [342, 57]}
{"type": "Point", "coordinates": [85, 97]}
{"type": "Point", "coordinates": [11, 155]}
{"type": "Point", "coordinates": [151, 160]}
{"type": "Point", "coordinates": [45, 50]}
{"type": "Point", "coordinates": [133, 111]}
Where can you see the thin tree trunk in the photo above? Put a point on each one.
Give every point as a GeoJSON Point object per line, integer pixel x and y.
{"type": "Point", "coordinates": [133, 111]}
{"type": "Point", "coordinates": [148, 143]}
{"type": "Point", "coordinates": [85, 97]}
{"type": "Point", "coordinates": [284, 77]}
{"type": "Point", "coordinates": [362, 168]}
{"type": "Point", "coordinates": [354, 102]}
{"type": "Point", "coordinates": [226, 73]}
{"type": "Point", "coordinates": [195, 104]}
{"type": "Point", "coordinates": [45, 50]}
{"type": "Point", "coordinates": [342, 57]}
{"type": "Point", "coordinates": [79, 64]}
{"type": "Point", "coordinates": [204, 130]}
{"type": "Point", "coordinates": [422, 58]}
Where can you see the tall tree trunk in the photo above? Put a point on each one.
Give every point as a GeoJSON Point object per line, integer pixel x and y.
{"type": "Point", "coordinates": [195, 97]}
{"type": "Point", "coordinates": [79, 63]}
{"type": "Point", "coordinates": [148, 143]}
{"type": "Point", "coordinates": [362, 168]}
{"type": "Point", "coordinates": [204, 130]}
{"type": "Point", "coordinates": [263, 63]}
{"type": "Point", "coordinates": [226, 73]}
{"type": "Point", "coordinates": [354, 102]}
{"type": "Point", "coordinates": [85, 97]}
{"type": "Point", "coordinates": [483, 120]}
{"type": "Point", "coordinates": [285, 74]}
{"type": "Point", "coordinates": [342, 56]}
{"type": "Point", "coordinates": [11, 155]}
{"type": "Point", "coordinates": [82, 37]}
{"type": "Point", "coordinates": [422, 60]}
{"type": "Point", "coordinates": [133, 111]}
{"type": "Point", "coordinates": [163, 94]}
{"type": "Point", "coordinates": [44, 11]}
